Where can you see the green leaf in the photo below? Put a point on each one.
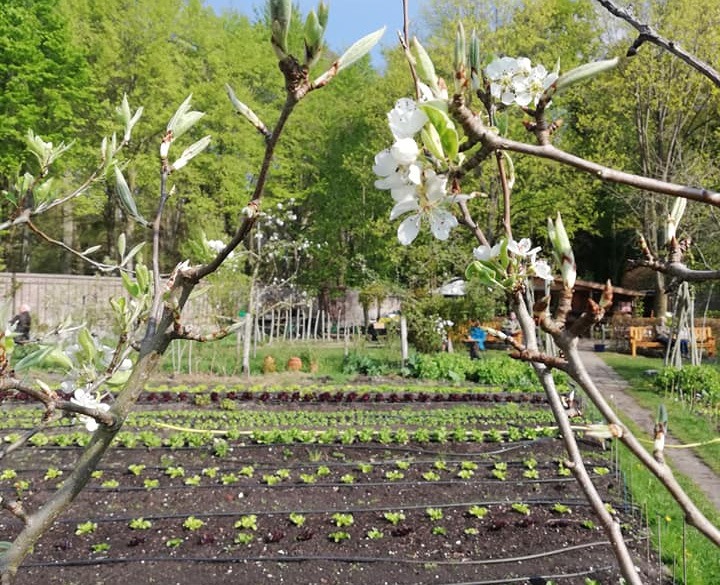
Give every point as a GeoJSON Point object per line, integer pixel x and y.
{"type": "Point", "coordinates": [87, 344]}
{"type": "Point", "coordinates": [510, 169]}
{"type": "Point", "coordinates": [280, 15]}
{"type": "Point", "coordinates": [130, 285]}
{"type": "Point", "coordinates": [183, 119]}
{"type": "Point", "coordinates": [445, 129]}
{"type": "Point", "coordinates": [126, 199]}
{"type": "Point", "coordinates": [586, 71]}
{"type": "Point", "coordinates": [431, 141]}
{"type": "Point", "coordinates": [121, 242]}
{"type": "Point", "coordinates": [57, 358]}
{"type": "Point", "coordinates": [425, 66]}
{"type": "Point", "coordinates": [359, 49]}
{"type": "Point", "coordinates": [313, 36]}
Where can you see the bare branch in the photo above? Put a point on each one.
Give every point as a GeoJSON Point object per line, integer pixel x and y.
{"type": "Point", "coordinates": [53, 402]}
{"type": "Point", "coordinates": [544, 374]}
{"type": "Point", "coordinates": [469, 222]}
{"type": "Point", "coordinates": [693, 515]}
{"type": "Point", "coordinates": [473, 126]}
{"type": "Point", "coordinates": [678, 270]}
{"type": "Point", "coordinates": [16, 509]}
{"type": "Point", "coordinates": [648, 34]}
{"type": "Point", "coordinates": [99, 265]}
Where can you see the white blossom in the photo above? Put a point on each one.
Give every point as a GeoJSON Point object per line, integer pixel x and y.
{"type": "Point", "coordinates": [396, 166]}
{"type": "Point", "coordinates": [428, 200]}
{"type": "Point", "coordinates": [523, 248]}
{"type": "Point", "coordinates": [502, 74]}
{"type": "Point", "coordinates": [406, 119]}
{"type": "Point", "coordinates": [542, 270]}
{"type": "Point", "coordinates": [486, 253]}
{"type": "Point", "coordinates": [535, 85]}
{"type": "Point", "coordinates": [516, 81]}
{"type": "Point", "coordinates": [84, 398]}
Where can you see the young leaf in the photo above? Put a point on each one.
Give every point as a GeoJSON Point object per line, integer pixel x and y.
{"type": "Point", "coordinates": [425, 66]}
{"type": "Point", "coordinates": [244, 110]}
{"type": "Point", "coordinates": [183, 119]}
{"type": "Point", "coordinates": [359, 49]}
{"type": "Point", "coordinates": [191, 152]}
{"type": "Point", "coordinates": [445, 129]}
{"type": "Point", "coordinates": [586, 71]}
{"type": "Point", "coordinates": [126, 198]}
{"type": "Point", "coordinates": [431, 141]}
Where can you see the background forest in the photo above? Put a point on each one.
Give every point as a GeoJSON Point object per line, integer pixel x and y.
{"type": "Point", "coordinates": [66, 65]}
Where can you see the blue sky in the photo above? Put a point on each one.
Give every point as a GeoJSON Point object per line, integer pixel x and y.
{"type": "Point", "coordinates": [349, 19]}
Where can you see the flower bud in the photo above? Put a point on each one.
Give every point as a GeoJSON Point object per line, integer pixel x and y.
{"type": "Point", "coordinates": [562, 250]}
{"type": "Point", "coordinates": [425, 67]}
{"type": "Point", "coordinates": [475, 60]}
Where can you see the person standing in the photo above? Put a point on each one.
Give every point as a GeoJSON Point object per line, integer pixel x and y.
{"type": "Point", "coordinates": [22, 322]}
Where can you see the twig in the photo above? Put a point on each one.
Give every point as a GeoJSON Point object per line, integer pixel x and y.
{"type": "Point", "coordinates": [544, 374]}
{"type": "Point", "coordinates": [474, 127]}
{"type": "Point", "coordinates": [62, 245]}
{"type": "Point", "coordinates": [693, 515]}
{"type": "Point", "coordinates": [648, 34]}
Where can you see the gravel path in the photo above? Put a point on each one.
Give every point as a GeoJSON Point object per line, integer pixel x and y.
{"type": "Point", "coordinates": [684, 461]}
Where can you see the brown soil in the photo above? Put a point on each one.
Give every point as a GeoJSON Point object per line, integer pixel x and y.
{"type": "Point", "coordinates": [505, 546]}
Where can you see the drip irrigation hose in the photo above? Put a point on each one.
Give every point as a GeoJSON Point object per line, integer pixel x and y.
{"type": "Point", "coordinates": [327, 558]}
{"type": "Point", "coordinates": [359, 484]}
{"type": "Point", "coordinates": [472, 458]}
{"type": "Point", "coordinates": [580, 503]}
{"type": "Point", "coordinates": [542, 578]}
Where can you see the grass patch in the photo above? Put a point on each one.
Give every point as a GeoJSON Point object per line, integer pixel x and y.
{"type": "Point", "coordinates": [685, 424]}
{"type": "Point", "coordinates": [224, 357]}
{"type": "Point", "coordinates": [666, 521]}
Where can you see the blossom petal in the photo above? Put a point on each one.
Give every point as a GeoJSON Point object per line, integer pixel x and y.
{"type": "Point", "coordinates": [435, 186]}
{"type": "Point", "coordinates": [482, 253]}
{"type": "Point", "coordinates": [410, 204]}
{"type": "Point", "coordinates": [405, 151]}
{"type": "Point", "coordinates": [385, 163]}
{"type": "Point", "coordinates": [390, 182]}
{"type": "Point", "coordinates": [542, 269]}
{"type": "Point", "coordinates": [441, 222]}
{"type": "Point", "coordinates": [409, 229]}
{"type": "Point", "coordinates": [403, 192]}
{"type": "Point", "coordinates": [406, 119]}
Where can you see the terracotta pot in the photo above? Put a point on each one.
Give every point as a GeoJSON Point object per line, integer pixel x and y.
{"type": "Point", "coordinates": [294, 364]}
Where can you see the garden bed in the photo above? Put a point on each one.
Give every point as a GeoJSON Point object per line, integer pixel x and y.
{"type": "Point", "coordinates": [462, 503]}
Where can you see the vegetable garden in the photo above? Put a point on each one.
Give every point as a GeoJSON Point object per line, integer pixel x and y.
{"type": "Point", "coordinates": [325, 483]}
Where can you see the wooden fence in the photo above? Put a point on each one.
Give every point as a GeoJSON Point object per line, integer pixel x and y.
{"type": "Point", "coordinates": [53, 298]}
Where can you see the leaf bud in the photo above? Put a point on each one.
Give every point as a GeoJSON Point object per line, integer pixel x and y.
{"type": "Point", "coordinates": [460, 57]}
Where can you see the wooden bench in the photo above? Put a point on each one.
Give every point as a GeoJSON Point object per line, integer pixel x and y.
{"type": "Point", "coordinates": [645, 337]}
{"type": "Point", "coordinates": [705, 339]}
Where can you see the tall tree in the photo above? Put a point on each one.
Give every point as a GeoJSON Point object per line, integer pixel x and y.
{"type": "Point", "coordinates": [43, 87]}
{"type": "Point", "coordinates": [669, 132]}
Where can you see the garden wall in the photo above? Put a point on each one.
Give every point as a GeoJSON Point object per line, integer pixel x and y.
{"type": "Point", "coordinates": [53, 298]}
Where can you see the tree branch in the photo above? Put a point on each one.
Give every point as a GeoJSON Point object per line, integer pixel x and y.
{"type": "Point", "coordinates": [473, 126]}
{"type": "Point", "coordinates": [648, 34]}
{"type": "Point", "coordinates": [612, 528]}
{"type": "Point", "coordinates": [678, 270]}
{"type": "Point", "coordinates": [693, 515]}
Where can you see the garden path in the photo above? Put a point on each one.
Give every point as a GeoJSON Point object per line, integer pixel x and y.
{"type": "Point", "coordinates": [613, 387]}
